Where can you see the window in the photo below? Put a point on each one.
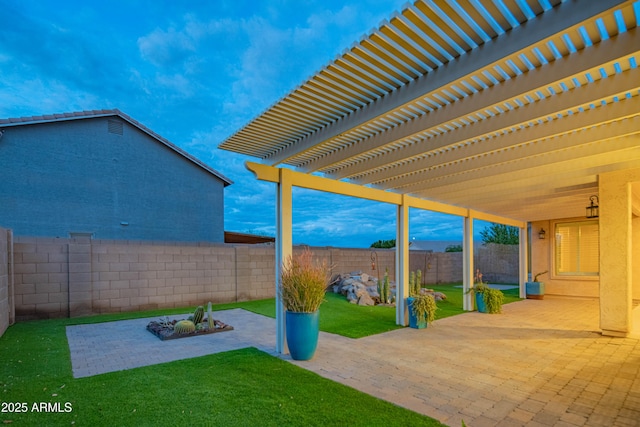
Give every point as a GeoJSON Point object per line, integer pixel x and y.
{"type": "Point", "coordinates": [577, 249]}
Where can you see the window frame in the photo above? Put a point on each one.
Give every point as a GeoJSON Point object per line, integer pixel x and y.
{"type": "Point", "coordinates": [554, 257]}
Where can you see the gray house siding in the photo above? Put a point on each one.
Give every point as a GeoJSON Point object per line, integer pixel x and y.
{"type": "Point", "coordinates": [104, 176]}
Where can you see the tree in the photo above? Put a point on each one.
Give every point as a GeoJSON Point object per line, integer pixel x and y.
{"type": "Point", "coordinates": [384, 244]}
{"type": "Point", "coordinates": [501, 234]}
{"type": "Point", "coordinates": [453, 248]}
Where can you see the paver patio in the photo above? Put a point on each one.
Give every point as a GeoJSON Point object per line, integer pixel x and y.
{"type": "Point", "coordinates": [540, 363]}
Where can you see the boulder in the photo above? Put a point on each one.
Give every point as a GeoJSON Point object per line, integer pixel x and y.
{"type": "Point", "coordinates": [351, 297]}
{"type": "Point", "coordinates": [365, 299]}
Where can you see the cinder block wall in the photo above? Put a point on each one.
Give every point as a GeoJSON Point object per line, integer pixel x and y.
{"type": "Point", "coordinates": [41, 277]}
{"type": "Point", "coordinates": [5, 306]}
{"type": "Point", "coordinates": [76, 277]}
{"type": "Point", "coordinates": [498, 263]}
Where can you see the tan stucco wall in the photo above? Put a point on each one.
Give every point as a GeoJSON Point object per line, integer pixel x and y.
{"type": "Point", "coordinates": [542, 260]}
{"type": "Point", "coordinates": [636, 258]}
{"type": "Point", "coordinates": [616, 251]}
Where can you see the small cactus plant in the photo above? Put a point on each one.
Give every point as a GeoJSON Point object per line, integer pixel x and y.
{"type": "Point", "coordinates": [184, 327]}
{"type": "Point", "coordinates": [383, 288]}
{"type": "Point", "coordinates": [415, 283]}
{"type": "Point", "coordinates": [198, 315]}
{"type": "Point", "coordinates": [210, 320]}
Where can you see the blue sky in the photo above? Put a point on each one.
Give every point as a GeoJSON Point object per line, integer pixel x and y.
{"type": "Point", "coordinates": [195, 72]}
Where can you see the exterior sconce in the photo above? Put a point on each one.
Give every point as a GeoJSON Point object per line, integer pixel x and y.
{"type": "Point", "coordinates": [542, 234]}
{"type": "Point", "coordinates": [593, 209]}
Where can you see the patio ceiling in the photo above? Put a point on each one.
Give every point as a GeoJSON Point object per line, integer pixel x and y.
{"type": "Point", "coordinates": [510, 107]}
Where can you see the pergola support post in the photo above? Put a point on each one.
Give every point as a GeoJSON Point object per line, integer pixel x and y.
{"type": "Point", "coordinates": [523, 254]}
{"type": "Point", "coordinates": [284, 249]}
{"type": "Point", "coordinates": [402, 263]}
{"type": "Point", "coordinates": [467, 263]}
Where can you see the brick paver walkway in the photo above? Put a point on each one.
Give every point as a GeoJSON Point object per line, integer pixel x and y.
{"type": "Point", "coordinates": [126, 344]}
{"type": "Point", "coordinates": [540, 363]}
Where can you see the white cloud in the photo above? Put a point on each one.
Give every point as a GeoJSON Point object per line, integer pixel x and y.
{"type": "Point", "coordinates": [165, 47]}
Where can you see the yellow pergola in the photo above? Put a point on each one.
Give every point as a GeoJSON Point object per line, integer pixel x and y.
{"type": "Point", "coordinates": [510, 111]}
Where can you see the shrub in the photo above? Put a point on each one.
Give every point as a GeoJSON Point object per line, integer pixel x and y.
{"type": "Point", "coordinates": [303, 283]}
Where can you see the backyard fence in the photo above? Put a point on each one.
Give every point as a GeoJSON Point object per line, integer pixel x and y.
{"type": "Point", "coordinates": [6, 302]}
{"type": "Point", "coordinates": [59, 277]}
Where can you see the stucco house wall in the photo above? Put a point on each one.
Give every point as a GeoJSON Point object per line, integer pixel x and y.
{"type": "Point", "coordinates": [542, 260]}
{"type": "Point", "coordinates": [105, 175]}
{"type": "Point", "coordinates": [636, 258]}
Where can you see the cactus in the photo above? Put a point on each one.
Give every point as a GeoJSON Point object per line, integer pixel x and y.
{"type": "Point", "coordinates": [184, 327]}
{"type": "Point", "coordinates": [210, 320]}
{"type": "Point", "coordinates": [198, 315]}
{"type": "Point", "coordinates": [164, 322]}
{"type": "Point", "coordinates": [415, 283]}
{"type": "Point", "coordinates": [412, 283]}
{"type": "Point", "coordinates": [383, 288]}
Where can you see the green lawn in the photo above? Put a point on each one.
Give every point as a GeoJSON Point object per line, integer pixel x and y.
{"type": "Point", "coordinates": [237, 388]}
{"type": "Point", "coordinates": [244, 387]}
{"type": "Point", "coordinates": [453, 304]}
{"type": "Point", "coordinates": [338, 316]}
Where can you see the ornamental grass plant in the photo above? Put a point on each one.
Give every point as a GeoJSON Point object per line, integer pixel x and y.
{"type": "Point", "coordinates": [303, 283]}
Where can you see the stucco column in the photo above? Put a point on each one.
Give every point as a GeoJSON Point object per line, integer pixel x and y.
{"type": "Point", "coordinates": [616, 266]}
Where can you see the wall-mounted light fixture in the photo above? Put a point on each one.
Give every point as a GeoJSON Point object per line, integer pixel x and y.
{"type": "Point", "coordinates": [593, 209]}
{"type": "Point", "coordinates": [542, 234]}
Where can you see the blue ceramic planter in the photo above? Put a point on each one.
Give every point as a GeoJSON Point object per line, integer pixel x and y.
{"type": "Point", "coordinates": [535, 290]}
{"type": "Point", "coordinates": [302, 331]}
{"type": "Point", "coordinates": [414, 322]}
{"type": "Point", "coordinates": [480, 304]}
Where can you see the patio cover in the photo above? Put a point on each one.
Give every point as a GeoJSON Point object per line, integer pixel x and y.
{"type": "Point", "coordinates": [506, 110]}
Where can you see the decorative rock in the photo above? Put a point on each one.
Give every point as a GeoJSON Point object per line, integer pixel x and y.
{"type": "Point", "coordinates": [364, 277]}
{"type": "Point", "coordinates": [365, 299]}
{"type": "Point", "coordinates": [361, 291]}
{"type": "Point", "coordinates": [351, 297]}
{"type": "Point", "coordinates": [438, 296]}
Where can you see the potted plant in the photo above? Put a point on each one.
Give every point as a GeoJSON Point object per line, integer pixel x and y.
{"type": "Point", "coordinates": [422, 311]}
{"type": "Point", "coordinates": [535, 289]}
{"type": "Point", "coordinates": [303, 283]}
{"type": "Point", "coordinates": [422, 307]}
{"type": "Point", "coordinates": [488, 300]}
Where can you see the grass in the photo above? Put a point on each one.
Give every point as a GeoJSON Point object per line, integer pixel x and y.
{"type": "Point", "coordinates": [338, 316]}
{"type": "Point", "coordinates": [453, 304]}
{"type": "Point", "coordinates": [238, 388]}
